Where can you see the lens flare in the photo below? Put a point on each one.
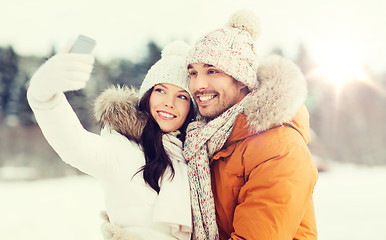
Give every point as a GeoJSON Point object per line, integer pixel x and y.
{"type": "Point", "coordinates": [339, 64]}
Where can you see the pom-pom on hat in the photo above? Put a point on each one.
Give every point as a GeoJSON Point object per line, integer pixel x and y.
{"type": "Point", "coordinates": [231, 48]}
{"type": "Point", "coordinates": [170, 68]}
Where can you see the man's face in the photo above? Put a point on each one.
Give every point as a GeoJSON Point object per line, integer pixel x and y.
{"type": "Point", "coordinates": [213, 90]}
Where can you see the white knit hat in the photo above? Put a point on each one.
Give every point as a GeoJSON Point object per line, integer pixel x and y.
{"type": "Point", "coordinates": [170, 68]}
{"type": "Point", "coordinates": [231, 48]}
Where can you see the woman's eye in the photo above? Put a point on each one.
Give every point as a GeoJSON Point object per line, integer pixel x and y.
{"type": "Point", "coordinates": [192, 73]}
{"type": "Point", "coordinates": [212, 71]}
{"type": "Point", "coordinates": [159, 90]}
{"type": "Point", "coordinates": [183, 97]}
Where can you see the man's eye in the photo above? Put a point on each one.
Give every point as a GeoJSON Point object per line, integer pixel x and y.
{"type": "Point", "coordinates": [212, 71]}
{"type": "Point", "coordinates": [192, 73]}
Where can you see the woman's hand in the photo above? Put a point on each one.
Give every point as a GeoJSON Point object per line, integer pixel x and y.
{"type": "Point", "coordinates": [62, 72]}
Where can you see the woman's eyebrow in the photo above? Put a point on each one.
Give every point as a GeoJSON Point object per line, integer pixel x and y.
{"type": "Point", "coordinates": [160, 84]}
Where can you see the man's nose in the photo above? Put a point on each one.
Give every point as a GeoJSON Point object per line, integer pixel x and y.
{"type": "Point", "coordinates": [199, 83]}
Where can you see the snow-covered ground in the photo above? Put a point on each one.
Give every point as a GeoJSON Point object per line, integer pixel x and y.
{"type": "Point", "coordinates": [61, 209]}
{"type": "Point", "coordinates": [350, 203]}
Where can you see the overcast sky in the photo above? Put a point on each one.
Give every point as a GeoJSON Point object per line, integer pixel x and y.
{"type": "Point", "coordinates": [123, 27]}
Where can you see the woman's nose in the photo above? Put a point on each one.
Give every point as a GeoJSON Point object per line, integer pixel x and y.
{"type": "Point", "coordinates": [169, 101]}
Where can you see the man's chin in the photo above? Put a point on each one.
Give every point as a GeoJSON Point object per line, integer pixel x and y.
{"type": "Point", "coordinates": [208, 113]}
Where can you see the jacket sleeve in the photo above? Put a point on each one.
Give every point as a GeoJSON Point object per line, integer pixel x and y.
{"type": "Point", "coordinates": [89, 152]}
{"type": "Point", "coordinates": [275, 197]}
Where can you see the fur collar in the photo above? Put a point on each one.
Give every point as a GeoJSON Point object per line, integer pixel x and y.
{"type": "Point", "coordinates": [116, 109]}
{"type": "Point", "coordinates": [281, 92]}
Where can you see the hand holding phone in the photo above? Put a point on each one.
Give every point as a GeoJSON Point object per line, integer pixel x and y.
{"type": "Point", "coordinates": [83, 44]}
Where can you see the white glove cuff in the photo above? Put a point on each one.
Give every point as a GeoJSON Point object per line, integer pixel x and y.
{"type": "Point", "coordinates": [51, 103]}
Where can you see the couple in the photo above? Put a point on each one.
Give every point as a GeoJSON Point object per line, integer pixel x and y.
{"type": "Point", "coordinates": [240, 169]}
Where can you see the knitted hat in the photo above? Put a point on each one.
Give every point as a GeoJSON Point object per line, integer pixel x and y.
{"type": "Point", "coordinates": [170, 68]}
{"type": "Point", "coordinates": [231, 48]}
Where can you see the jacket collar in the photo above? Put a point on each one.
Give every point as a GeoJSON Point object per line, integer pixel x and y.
{"type": "Point", "coordinates": [300, 123]}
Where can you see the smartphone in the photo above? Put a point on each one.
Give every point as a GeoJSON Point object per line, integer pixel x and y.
{"type": "Point", "coordinates": [83, 44]}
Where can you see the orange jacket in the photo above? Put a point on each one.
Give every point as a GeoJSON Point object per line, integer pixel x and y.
{"type": "Point", "coordinates": [264, 176]}
{"type": "Point", "coordinates": [263, 183]}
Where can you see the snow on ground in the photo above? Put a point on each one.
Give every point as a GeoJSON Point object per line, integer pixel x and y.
{"type": "Point", "coordinates": [61, 209]}
{"type": "Point", "coordinates": [350, 203]}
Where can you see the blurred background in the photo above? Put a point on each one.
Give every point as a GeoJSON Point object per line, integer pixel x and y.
{"type": "Point", "coordinates": [339, 46]}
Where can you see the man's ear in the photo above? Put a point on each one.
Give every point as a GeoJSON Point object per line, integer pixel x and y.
{"type": "Point", "coordinates": [244, 89]}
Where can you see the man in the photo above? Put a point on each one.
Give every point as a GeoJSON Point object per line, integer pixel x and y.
{"type": "Point", "coordinates": [249, 166]}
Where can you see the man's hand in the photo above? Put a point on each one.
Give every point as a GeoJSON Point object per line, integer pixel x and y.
{"type": "Point", "coordinates": [63, 72]}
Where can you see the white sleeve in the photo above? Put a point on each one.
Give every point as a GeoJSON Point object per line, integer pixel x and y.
{"type": "Point", "coordinates": [90, 153]}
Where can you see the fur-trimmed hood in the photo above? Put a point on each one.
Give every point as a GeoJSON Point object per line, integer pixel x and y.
{"type": "Point", "coordinates": [281, 92]}
{"type": "Point", "coordinates": [117, 108]}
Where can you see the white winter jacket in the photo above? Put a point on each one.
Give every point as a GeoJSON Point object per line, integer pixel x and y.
{"type": "Point", "coordinates": [113, 158]}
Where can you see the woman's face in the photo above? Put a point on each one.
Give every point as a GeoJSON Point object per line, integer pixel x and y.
{"type": "Point", "coordinates": [169, 106]}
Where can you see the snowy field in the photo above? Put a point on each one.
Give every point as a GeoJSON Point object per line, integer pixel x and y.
{"type": "Point", "coordinates": [350, 204]}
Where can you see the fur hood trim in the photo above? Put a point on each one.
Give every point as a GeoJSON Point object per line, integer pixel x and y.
{"type": "Point", "coordinates": [117, 108]}
{"type": "Point", "coordinates": [282, 91]}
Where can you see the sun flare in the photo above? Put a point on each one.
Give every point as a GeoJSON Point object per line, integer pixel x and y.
{"type": "Point", "coordinates": [339, 63]}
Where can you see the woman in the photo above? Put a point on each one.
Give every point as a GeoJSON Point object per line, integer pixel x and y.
{"type": "Point", "coordinates": [139, 152]}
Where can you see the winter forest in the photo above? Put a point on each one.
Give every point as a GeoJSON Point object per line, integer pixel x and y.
{"type": "Point", "coordinates": [347, 122]}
